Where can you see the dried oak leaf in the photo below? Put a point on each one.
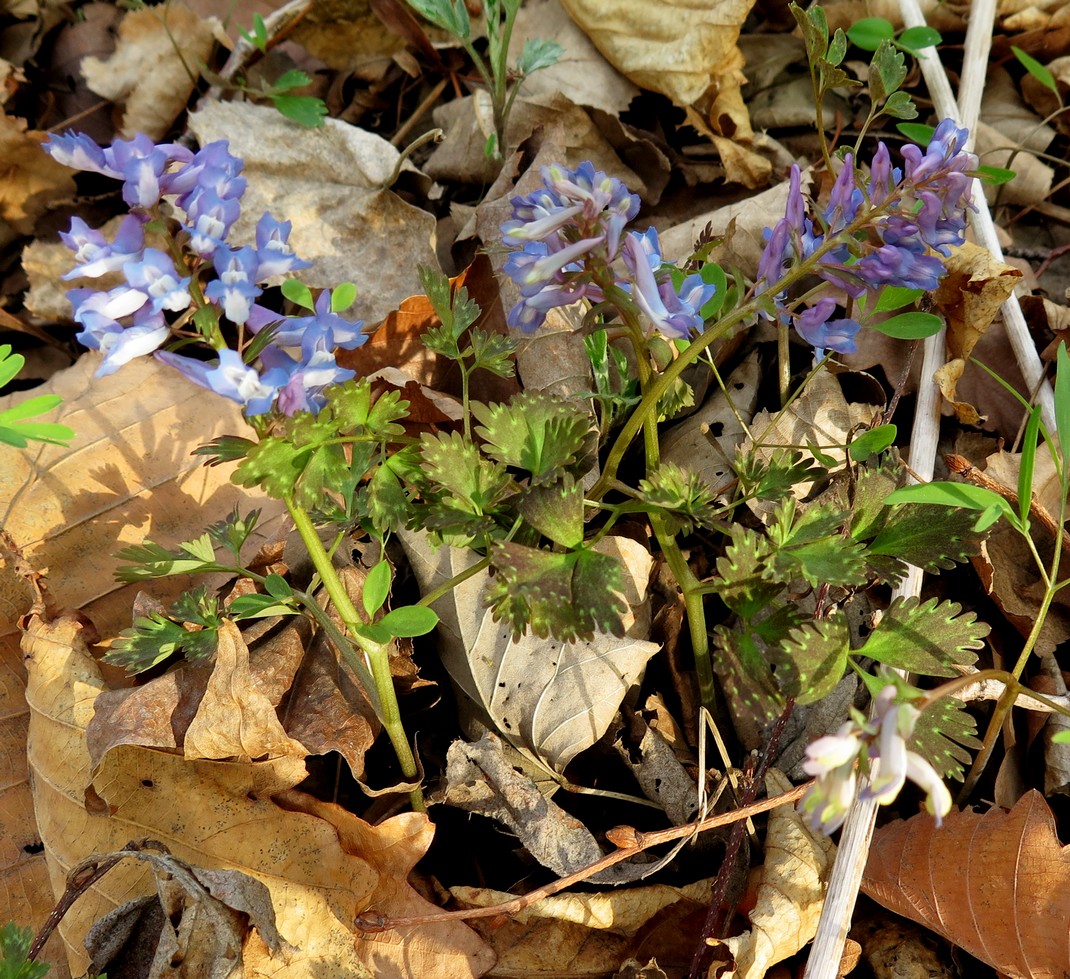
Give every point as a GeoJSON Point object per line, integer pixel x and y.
{"type": "Point", "coordinates": [993, 883]}
{"type": "Point", "coordinates": [321, 864]}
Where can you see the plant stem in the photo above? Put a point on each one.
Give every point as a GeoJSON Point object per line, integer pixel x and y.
{"type": "Point", "coordinates": [690, 586]}
{"type": "Point", "coordinates": [378, 654]}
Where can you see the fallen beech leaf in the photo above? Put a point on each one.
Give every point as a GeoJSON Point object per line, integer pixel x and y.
{"type": "Point", "coordinates": [321, 865]}
{"type": "Point", "coordinates": [128, 474]}
{"type": "Point", "coordinates": [30, 180]}
{"type": "Point", "coordinates": [550, 700]}
{"type": "Point", "coordinates": [791, 890]}
{"type": "Point", "coordinates": [329, 183]}
{"type": "Point", "coordinates": [994, 884]}
{"type": "Point", "coordinates": [154, 67]}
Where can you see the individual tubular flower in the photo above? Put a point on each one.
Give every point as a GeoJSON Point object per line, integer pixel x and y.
{"type": "Point", "coordinates": [236, 287]}
{"type": "Point", "coordinates": [274, 254]}
{"type": "Point", "coordinates": [97, 312]}
{"type": "Point", "coordinates": [674, 314]}
{"type": "Point", "coordinates": [97, 256]}
{"type": "Point", "coordinates": [317, 369]}
{"type": "Point", "coordinates": [154, 274]}
{"type": "Point", "coordinates": [883, 742]}
{"type": "Point", "coordinates": [334, 330]}
{"type": "Point", "coordinates": [231, 378]}
{"type": "Point", "coordinates": [817, 328]}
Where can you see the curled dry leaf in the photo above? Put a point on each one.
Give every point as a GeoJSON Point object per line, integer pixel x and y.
{"type": "Point", "coordinates": [480, 778]}
{"type": "Point", "coordinates": [321, 864]}
{"type": "Point", "coordinates": [995, 884]}
{"type": "Point", "coordinates": [206, 917]}
{"type": "Point", "coordinates": [680, 49]}
{"type": "Point", "coordinates": [155, 66]}
{"type": "Point", "coordinates": [791, 890]}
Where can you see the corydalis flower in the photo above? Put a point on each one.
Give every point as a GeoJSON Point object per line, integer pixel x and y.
{"type": "Point", "coordinates": [911, 212]}
{"type": "Point", "coordinates": [832, 760]}
{"type": "Point", "coordinates": [673, 313]}
{"type": "Point", "coordinates": [571, 224]}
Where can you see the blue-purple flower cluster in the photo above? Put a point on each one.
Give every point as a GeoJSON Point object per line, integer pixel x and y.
{"type": "Point", "coordinates": [201, 191]}
{"type": "Point", "coordinates": [566, 237]}
{"type": "Point", "coordinates": [906, 215]}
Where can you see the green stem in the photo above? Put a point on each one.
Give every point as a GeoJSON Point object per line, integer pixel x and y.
{"type": "Point", "coordinates": [689, 585]}
{"type": "Point", "coordinates": [657, 390]}
{"type": "Point", "coordinates": [378, 654]}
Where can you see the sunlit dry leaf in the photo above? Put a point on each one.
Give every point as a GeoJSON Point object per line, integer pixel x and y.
{"type": "Point", "coordinates": [947, 378]}
{"type": "Point", "coordinates": [679, 49]}
{"type": "Point", "coordinates": [321, 865]}
{"type": "Point", "coordinates": [235, 719]}
{"type": "Point", "coordinates": [791, 891]}
{"type": "Point", "coordinates": [155, 66]}
{"type": "Point", "coordinates": [594, 934]}
{"type": "Point", "coordinates": [582, 73]}
{"type": "Point", "coordinates": [329, 183]}
{"type": "Point", "coordinates": [30, 180]}
{"type": "Point", "coordinates": [1034, 178]}
{"type": "Point", "coordinates": [994, 883]}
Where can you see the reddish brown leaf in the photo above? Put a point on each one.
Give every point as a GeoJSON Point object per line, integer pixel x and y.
{"type": "Point", "coordinates": [995, 884]}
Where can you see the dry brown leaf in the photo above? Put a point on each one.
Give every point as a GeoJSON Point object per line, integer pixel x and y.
{"type": "Point", "coordinates": [196, 925]}
{"type": "Point", "coordinates": [25, 894]}
{"type": "Point", "coordinates": [970, 294]}
{"type": "Point", "coordinates": [947, 379]}
{"type": "Point", "coordinates": [329, 183]}
{"type": "Point", "coordinates": [481, 778]}
{"type": "Point", "coordinates": [128, 475]}
{"type": "Point", "coordinates": [30, 180]}
{"type": "Point", "coordinates": [1033, 178]}
{"type": "Point", "coordinates": [322, 865]}
{"type": "Point", "coordinates": [680, 49]}
{"type": "Point", "coordinates": [235, 719]}
{"type": "Point", "coordinates": [155, 66]}
{"type": "Point", "coordinates": [993, 883]}
{"type": "Point", "coordinates": [592, 935]}
{"type": "Point", "coordinates": [791, 890]}
{"type": "Point", "coordinates": [581, 73]}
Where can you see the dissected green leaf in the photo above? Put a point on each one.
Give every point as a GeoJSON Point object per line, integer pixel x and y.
{"type": "Point", "coordinates": [538, 53]}
{"type": "Point", "coordinates": [556, 511]}
{"type": "Point", "coordinates": [15, 945]}
{"type": "Point", "coordinates": [388, 503]}
{"type": "Point", "coordinates": [927, 637]}
{"type": "Point", "coordinates": [685, 497]}
{"type": "Point", "coordinates": [467, 480]}
{"type": "Point", "coordinates": [933, 538]}
{"type": "Point", "coordinates": [535, 432]}
{"type": "Point", "coordinates": [566, 595]}
{"type": "Point", "coordinates": [745, 676]}
{"type": "Point", "coordinates": [773, 478]}
{"type": "Point", "coordinates": [741, 580]}
{"type": "Point", "coordinates": [812, 659]}
{"type": "Point", "coordinates": [887, 71]}
{"type": "Point", "coordinates": [943, 734]}
{"type": "Point", "coordinates": [900, 105]}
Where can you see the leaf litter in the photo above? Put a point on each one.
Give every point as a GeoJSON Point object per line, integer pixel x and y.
{"type": "Point", "coordinates": [242, 742]}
